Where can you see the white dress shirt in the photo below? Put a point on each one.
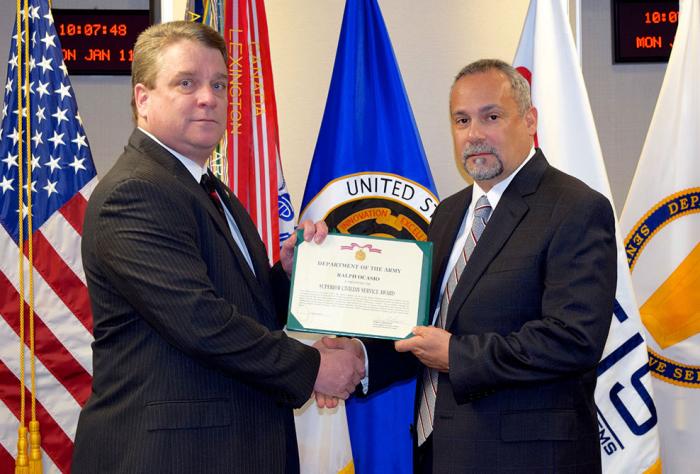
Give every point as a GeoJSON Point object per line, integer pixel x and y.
{"type": "Point", "coordinates": [494, 196]}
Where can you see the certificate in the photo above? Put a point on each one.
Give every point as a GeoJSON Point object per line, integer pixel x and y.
{"type": "Point", "coordinates": [360, 286]}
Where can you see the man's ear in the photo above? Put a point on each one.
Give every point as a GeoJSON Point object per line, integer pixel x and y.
{"type": "Point", "coordinates": [141, 96]}
{"type": "Point", "coordinates": [531, 120]}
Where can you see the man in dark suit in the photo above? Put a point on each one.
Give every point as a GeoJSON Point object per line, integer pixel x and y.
{"type": "Point", "coordinates": [192, 373]}
{"type": "Point", "coordinates": [522, 292]}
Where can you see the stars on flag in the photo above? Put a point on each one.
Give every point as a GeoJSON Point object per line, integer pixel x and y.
{"type": "Point", "coordinates": [53, 164]}
{"type": "Point", "coordinates": [6, 184]}
{"type": "Point", "coordinates": [31, 90]}
{"type": "Point", "coordinates": [10, 160]}
{"type": "Point", "coordinates": [42, 89]}
{"type": "Point", "coordinates": [60, 115]}
{"type": "Point", "coordinates": [33, 12]}
{"type": "Point", "coordinates": [57, 139]}
{"type": "Point", "coordinates": [49, 17]}
{"type": "Point", "coordinates": [14, 136]}
{"type": "Point", "coordinates": [40, 114]}
{"type": "Point", "coordinates": [45, 65]}
{"type": "Point", "coordinates": [50, 187]}
{"type": "Point", "coordinates": [33, 186]}
{"type": "Point", "coordinates": [77, 164]}
{"type": "Point", "coordinates": [79, 140]}
{"type": "Point", "coordinates": [37, 138]}
{"type": "Point", "coordinates": [63, 90]}
{"type": "Point", "coordinates": [61, 162]}
{"type": "Point", "coordinates": [48, 40]}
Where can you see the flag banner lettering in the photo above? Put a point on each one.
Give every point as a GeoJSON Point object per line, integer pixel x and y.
{"type": "Point", "coordinates": [248, 159]}
{"type": "Point", "coordinates": [369, 175]}
{"type": "Point", "coordinates": [62, 178]}
{"type": "Point", "coordinates": [661, 221]}
{"type": "Point", "coordinates": [546, 56]}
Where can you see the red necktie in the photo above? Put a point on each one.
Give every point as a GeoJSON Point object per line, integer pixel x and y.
{"type": "Point", "coordinates": [207, 182]}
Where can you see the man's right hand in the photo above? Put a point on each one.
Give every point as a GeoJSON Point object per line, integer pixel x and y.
{"type": "Point", "coordinates": [340, 371]}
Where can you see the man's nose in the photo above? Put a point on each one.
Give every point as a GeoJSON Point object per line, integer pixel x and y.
{"type": "Point", "coordinates": [475, 133]}
{"type": "Point", "coordinates": [206, 96]}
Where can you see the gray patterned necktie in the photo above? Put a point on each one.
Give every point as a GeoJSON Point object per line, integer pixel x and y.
{"type": "Point", "coordinates": [482, 212]}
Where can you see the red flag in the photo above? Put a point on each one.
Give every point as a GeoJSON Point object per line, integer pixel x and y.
{"type": "Point", "coordinates": [252, 166]}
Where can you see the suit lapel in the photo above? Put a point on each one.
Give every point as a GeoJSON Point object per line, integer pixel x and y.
{"type": "Point", "coordinates": [498, 230]}
{"type": "Point", "coordinates": [510, 211]}
{"type": "Point", "coordinates": [251, 239]}
{"type": "Point", "coordinates": [146, 146]}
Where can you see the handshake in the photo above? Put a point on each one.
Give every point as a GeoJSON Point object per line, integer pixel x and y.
{"type": "Point", "coordinates": [342, 368]}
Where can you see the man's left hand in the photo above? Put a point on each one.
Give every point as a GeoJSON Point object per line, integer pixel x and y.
{"type": "Point", "coordinates": [430, 345]}
{"type": "Point", "coordinates": [317, 232]}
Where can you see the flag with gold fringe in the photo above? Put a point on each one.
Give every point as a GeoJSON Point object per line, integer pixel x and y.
{"type": "Point", "coordinates": [46, 177]}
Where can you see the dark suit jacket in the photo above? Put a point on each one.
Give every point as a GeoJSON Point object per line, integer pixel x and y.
{"type": "Point", "coordinates": [529, 318]}
{"type": "Point", "coordinates": [191, 371]}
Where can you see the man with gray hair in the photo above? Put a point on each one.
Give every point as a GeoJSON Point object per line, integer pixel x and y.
{"type": "Point", "coordinates": [524, 272]}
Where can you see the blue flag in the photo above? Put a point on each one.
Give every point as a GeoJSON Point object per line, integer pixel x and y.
{"type": "Point", "coordinates": [369, 175]}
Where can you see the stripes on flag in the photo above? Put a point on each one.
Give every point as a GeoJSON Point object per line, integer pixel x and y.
{"type": "Point", "coordinates": [63, 177]}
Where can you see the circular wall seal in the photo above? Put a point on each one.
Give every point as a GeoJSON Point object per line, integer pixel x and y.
{"type": "Point", "coordinates": [376, 204]}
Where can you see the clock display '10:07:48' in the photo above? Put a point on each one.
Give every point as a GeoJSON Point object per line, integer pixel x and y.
{"type": "Point", "coordinates": [91, 29]}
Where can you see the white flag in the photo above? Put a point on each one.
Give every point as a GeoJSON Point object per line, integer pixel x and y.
{"type": "Point", "coordinates": [322, 434]}
{"type": "Point", "coordinates": [662, 221]}
{"type": "Point", "coordinates": [546, 56]}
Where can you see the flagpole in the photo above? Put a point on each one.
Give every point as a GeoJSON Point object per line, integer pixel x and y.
{"type": "Point", "coordinates": [22, 460]}
{"type": "Point", "coordinates": [579, 35]}
{"type": "Point", "coordinates": [34, 465]}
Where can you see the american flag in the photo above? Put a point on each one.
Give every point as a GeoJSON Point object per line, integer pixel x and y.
{"type": "Point", "coordinates": [62, 178]}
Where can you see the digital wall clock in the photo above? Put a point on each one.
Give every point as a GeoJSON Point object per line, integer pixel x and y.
{"type": "Point", "coordinates": [99, 42]}
{"type": "Point", "coordinates": [643, 30]}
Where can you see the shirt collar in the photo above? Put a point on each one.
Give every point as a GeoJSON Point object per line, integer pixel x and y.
{"type": "Point", "coordinates": [195, 170]}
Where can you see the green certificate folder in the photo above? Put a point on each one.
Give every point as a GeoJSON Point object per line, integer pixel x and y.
{"type": "Point", "coordinates": [355, 285]}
